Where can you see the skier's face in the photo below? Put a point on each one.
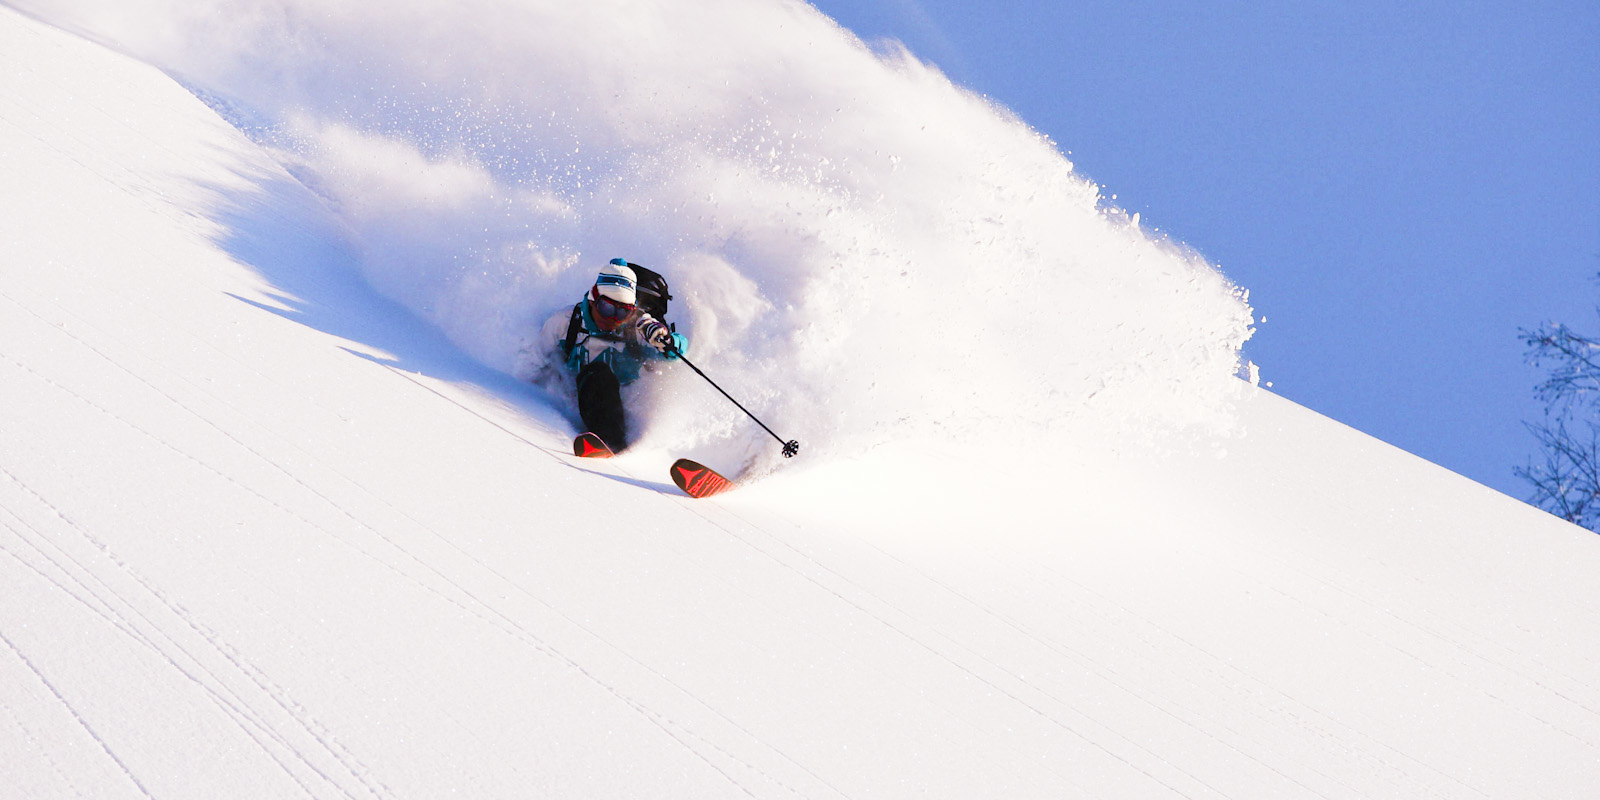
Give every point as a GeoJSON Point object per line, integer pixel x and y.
{"type": "Point", "coordinates": [609, 314]}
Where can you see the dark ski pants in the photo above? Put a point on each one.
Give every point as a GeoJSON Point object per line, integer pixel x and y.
{"type": "Point", "coordinates": [600, 405]}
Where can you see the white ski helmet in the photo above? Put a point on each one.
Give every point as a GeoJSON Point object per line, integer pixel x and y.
{"type": "Point", "coordinates": [617, 282]}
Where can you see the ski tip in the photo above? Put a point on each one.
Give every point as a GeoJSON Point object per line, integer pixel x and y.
{"type": "Point", "coordinates": [588, 445]}
{"type": "Point", "coordinates": [698, 480]}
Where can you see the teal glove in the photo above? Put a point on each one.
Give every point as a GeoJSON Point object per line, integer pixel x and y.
{"type": "Point", "coordinates": [679, 346]}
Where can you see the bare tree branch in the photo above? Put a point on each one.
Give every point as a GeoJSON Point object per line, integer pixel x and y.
{"type": "Point", "coordinates": [1567, 484]}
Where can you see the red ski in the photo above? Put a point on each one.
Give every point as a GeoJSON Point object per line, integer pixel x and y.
{"type": "Point", "coordinates": [588, 445]}
{"type": "Point", "coordinates": [698, 480]}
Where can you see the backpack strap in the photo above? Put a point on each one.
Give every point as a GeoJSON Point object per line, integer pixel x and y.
{"type": "Point", "coordinates": [573, 327]}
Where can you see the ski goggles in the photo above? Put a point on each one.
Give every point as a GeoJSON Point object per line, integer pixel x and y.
{"type": "Point", "coordinates": [609, 309]}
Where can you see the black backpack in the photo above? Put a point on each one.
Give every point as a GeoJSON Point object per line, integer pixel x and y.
{"type": "Point", "coordinates": [650, 291]}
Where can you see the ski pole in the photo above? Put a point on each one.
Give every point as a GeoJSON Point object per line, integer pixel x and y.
{"type": "Point", "coordinates": [790, 448]}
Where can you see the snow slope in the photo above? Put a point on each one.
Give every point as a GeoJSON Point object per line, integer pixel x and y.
{"type": "Point", "coordinates": [265, 532]}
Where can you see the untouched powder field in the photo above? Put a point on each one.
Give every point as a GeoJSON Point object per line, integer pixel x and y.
{"type": "Point", "coordinates": [280, 515]}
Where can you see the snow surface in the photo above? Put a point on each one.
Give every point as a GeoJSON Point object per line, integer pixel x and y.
{"type": "Point", "coordinates": [277, 519]}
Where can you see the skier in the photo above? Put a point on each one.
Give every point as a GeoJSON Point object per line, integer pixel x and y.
{"type": "Point", "coordinates": [605, 341]}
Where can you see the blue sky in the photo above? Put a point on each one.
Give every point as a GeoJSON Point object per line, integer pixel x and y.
{"type": "Point", "coordinates": [1401, 186]}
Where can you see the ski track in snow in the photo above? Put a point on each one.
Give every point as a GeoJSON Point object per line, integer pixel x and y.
{"type": "Point", "coordinates": [38, 750]}
{"type": "Point", "coordinates": [179, 657]}
{"type": "Point", "coordinates": [78, 718]}
{"type": "Point", "coordinates": [456, 594]}
{"type": "Point", "coordinates": [451, 590]}
{"type": "Point", "coordinates": [176, 655]}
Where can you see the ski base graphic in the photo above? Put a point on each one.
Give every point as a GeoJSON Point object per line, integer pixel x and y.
{"type": "Point", "coordinates": [588, 445]}
{"type": "Point", "coordinates": [698, 480]}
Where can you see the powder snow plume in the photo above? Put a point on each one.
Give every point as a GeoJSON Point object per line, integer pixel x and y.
{"type": "Point", "coordinates": [858, 248]}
